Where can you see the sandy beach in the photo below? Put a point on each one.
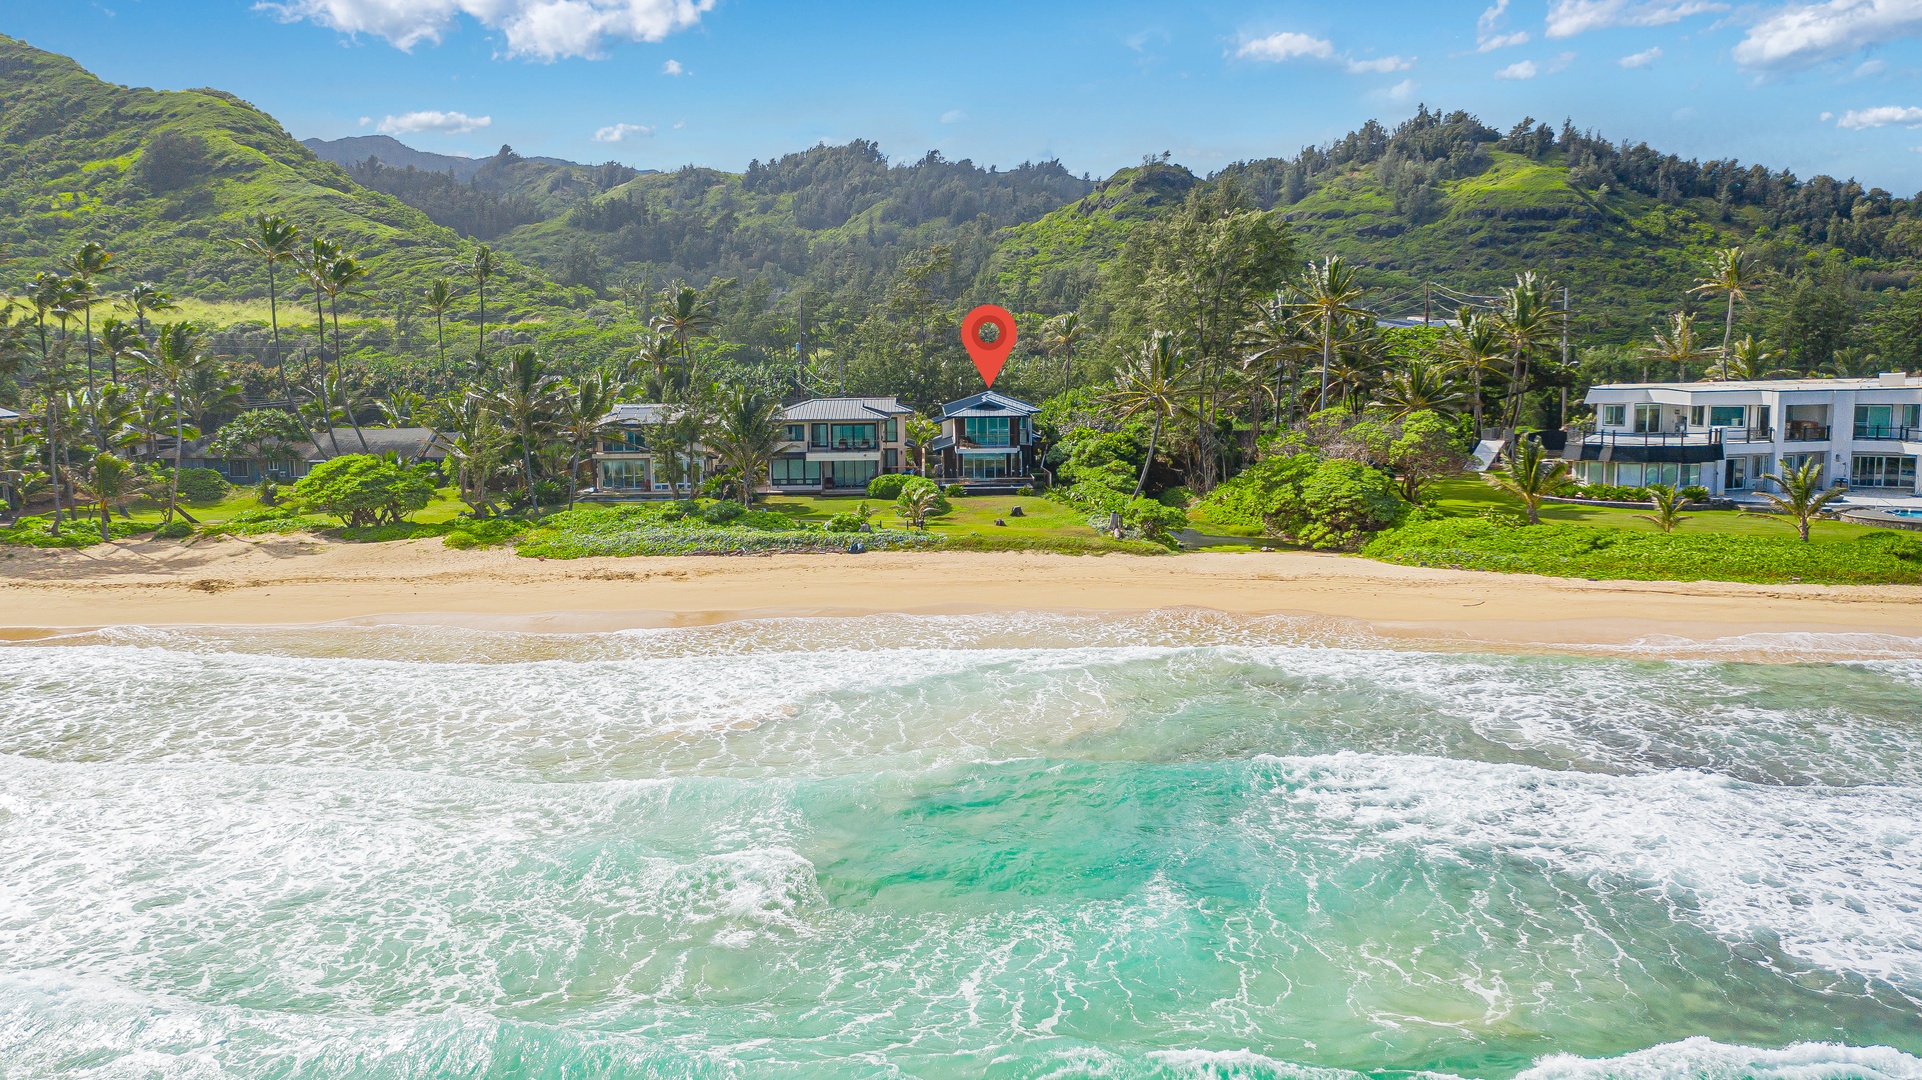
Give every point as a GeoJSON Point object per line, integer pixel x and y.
{"type": "Point", "coordinates": [282, 580]}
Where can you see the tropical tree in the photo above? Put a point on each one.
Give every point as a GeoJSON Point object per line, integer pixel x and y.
{"type": "Point", "coordinates": [1528, 321]}
{"type": "Point", "coordinates": [120, 341]}
{"type": "Point", "coordinates": [145, 296]}
{"type": "Point", "coordinates": [273, 241]}
{"type": "Point", "coordinates": [111, 484]}
{"type": "Point", "coordinates": [916, 502]}
{"type": "Point", "coordinates": [49, 295]}
{"type": "Point", "coordinates": [175, 361]}
{"type": "Point", "coordinates": [1677, 344]}
{"type": "Point", "coordinates": [1803, 495]}
{"type": "Point", "coordinates": [1418, 386]}
{"type": "Point", "coordinates": [1475, 347]}
{"type": "Point", "coordinates": [342, 278]}
{"type": "Point", "coordinates": [312, 264]}
{"type": "Point", "coordinates": [1154, 384]}
{"type": "Point", "coordinates": [259, 435]}
{"type": "Point", "coordinates": [1747, 360]}
{"type": "Point", "coordinates": [1531, 476]}
{"type": "Point", "coordinates": [83, 266]}
{"type": "Point", "coordinates": [527, 399]}
{"type": "Point", "coordinates": [583, 411]}
{"type": "Point", "coordinates": [1327, 293]}
{"type": "Point", "coordinates": [685, 314]}
{"type": "Point", "coordinates": [1732, 273]}
{"type": "Point", "coordinates": [921, 432]}
{"type": "Point", "coordinates": [747, 434]}
{"type": "Point", "coordinates": [481, 265]}
{"type": "Point", "coordinates": [1668, 501]}
{"type": "Point", "coordinates": [1276, 339]}
{"type": "Point", "coordinates": [440, 301]}
{"type": "Point", "coordinates": [1059, 336]}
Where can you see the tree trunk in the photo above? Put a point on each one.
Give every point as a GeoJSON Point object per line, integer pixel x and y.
{"type": "Point", "coordinates": [1327, 341]}
{"type": "Point", "coordinates": [173, 482]}
{"type": "Point", "coordinates": [1153, 437]}
{"type": "Point", "coordinates": [574, 476]}
{"type": "Point", "coordinates": [273, 317]}
{"type": "Point", "coordinates": [340, 383]}
{"type": "Point", "coordinates": [1728, 334]}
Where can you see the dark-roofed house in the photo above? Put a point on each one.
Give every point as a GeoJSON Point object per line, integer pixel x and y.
{"type": "Point", "coordinates": [627, 464]}
{"type": "Point", "coordinates": [986, 443]}
{"type": "Point", "coordinates": [841, 443]}
{"type": "Point", "coordinates": [412, 445]}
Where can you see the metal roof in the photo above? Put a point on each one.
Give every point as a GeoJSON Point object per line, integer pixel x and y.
{"type": "Point", "coordinates": [988, 403]}
{"type": "Point", "coordinates": [847, 408]}
{"type": "Point", "coordinates": [1778, 385]}
{"type": "Point", "coordinates": [636, 414]}
{"type": "Point", "coordinates": [8, 416]}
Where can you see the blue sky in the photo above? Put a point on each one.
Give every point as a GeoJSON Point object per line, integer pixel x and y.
{"type": "Point", "coordinates": [1815, 87]}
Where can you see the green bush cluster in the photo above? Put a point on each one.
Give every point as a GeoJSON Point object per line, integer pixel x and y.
{"type": "Point", "coordinates": [74, 532]}
{"type": "Point", "coordinates": [1326, 503]}
{"type": "Point", "coordinates": [203, 486]}
{"type": "Point", "coordinates": [887, 487]}
{"type": "Point", "coordinates": [1630, 554]}
{"type": "Point", "coordinates": [655, 530]}
{"type": "Point", "coordinates": [484, 532]}
{"type": "Point", "coordinates": [363, 490]}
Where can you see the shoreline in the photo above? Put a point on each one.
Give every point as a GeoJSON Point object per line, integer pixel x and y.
{"type": "Point", "coordinates": [291, 581]}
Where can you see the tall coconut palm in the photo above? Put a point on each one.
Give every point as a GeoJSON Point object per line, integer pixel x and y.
{"type": "Point", "coordinates": [1059, 336]}
{"type": "Point", "coordinates": [440, 301]}
{"type": "Point", "coordinates": [145, 296]}
{"type": "Point", "coordinates": [1803, 495]}
{"type": "Point", "coordinates": [1677, 344]}
{"type": "Point", "coordinates": [121, 341]}
{"type": "Point", "coordinates": [1731, 273]}
{"type": "Point", "coordinates": [1154, 383]}
{"type": "Point", "coordinates": [342, 278]}
{"type": "Point", "coordinates": [685, 314]}
{"type": "Point", "coordinates": [1475, 348]}
{"type": "Point", "coordinates": [83, 267]}
{"type": "Point", "coordinates": [584, 411]}
{"type": "Point", "coordinates": [49, 295]}
{"type": "Point", "coordinates": [481, 265]}
{"type": "Point", "coordinates": [1531, 476]}
{"type": "Point", "coordinates": [1528, 321]}
{"type": "Point", "coordinates": [175, 361]}
{"type": "Point", "coordinates": [312, 264]}
{"type": "Point", "coordinates": [656, 355]}
{"type": "Point", "coordinates": [527, 398]}
{"type": "Point", "coordinates": [747, 434]}
{"type": "Point", "coordinates": [274, 240]}
{"type": "Point", "coordinates": [1329, 292]}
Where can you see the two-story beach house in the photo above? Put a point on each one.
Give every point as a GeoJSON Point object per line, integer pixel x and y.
{"type": "Point", "coordinates": [841, 443]}
{"type": "Point", "coordinates": [986, 442]}
{"type": "Point", "coordinates": [1725, 436]}
{"type": "Point", "coordinates": [628, 463]}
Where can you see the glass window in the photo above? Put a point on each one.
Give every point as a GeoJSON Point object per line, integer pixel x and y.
{"type": "Point", "coordinates": [1614, 415]}
{"type": "Point", "coordinates": [820, 436]}
{"type": "Point", "coordinates": [847, 474]}
{"type": "Point", "coordinates": [988, 466]}
{"type": "Point", "coordinates": [625, 474]}
{"type": "Point", "coordinates": [850, 437]}
{"type": "Point", "coordinates": [794, 471]}
{"type": "Point", "coordinates": [797, 432]}
{"type": "Point", "coordinates": [1695, 416]}
{"type": "Point", "coordinates": [986, 430]}
{"type": "Point", "coordinates": [1726, 416]}
{"type": "Point", "coordinates": [890, 430]}
{"type": "Point", "coordinates": [1874, 470]}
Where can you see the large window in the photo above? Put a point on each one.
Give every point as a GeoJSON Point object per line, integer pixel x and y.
{"type": "Point", "coordinates": [1875, 470]}
{"type": "Point", "coordinates": [1614, 415]}
{"type": "Point", "coordinates": [890, 431]}
{"type": "Point", "coordinates": [1636, 474]}
{"type": "Point", "coordinates": [844, 437]}
{"type": "Point", "coordinates": [1725, 415]}
{"type": "Point", "coordinates": [795, 472]}
{"type": "Point", "coordinates": [850, 474]}
{"type": "Point", "coordinates": [624, 475]}
{"type": "Point", "coordinates": [986, 430]}
{"type": "Point", "coordinates": [1887, 421]}
{"type": "Point", "coordinates": [797, 432]}
{"type": "Point", "coordinates": [989, 466]}
{"type": "Point", "coordinates": [624, 442]}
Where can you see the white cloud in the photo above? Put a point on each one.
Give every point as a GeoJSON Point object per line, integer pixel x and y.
{"type": "Point", "coordinates": [1641, 59]}
{"type": "Point", "coordinates": [617, 132]}
{"type": "Point", "coordinates": [447, 123]}
{"type": "Point", "coordinates": [1881, 116]}
{"type": "Point", "coordinates": [1487, 37]}
{"type": "Point", "coordinates": [1403, 91]}
{"type": "Point", "coordinates": [1380, 66]}
{"type": "Point", "coordinates": [365, 120]}
{"type": "Point", "coordinates": [542, 29]}
{"type": "Point", "coordinates": [1285, 46]}
{"type": "Point", "coordinates": [1566, 18]}
{"type": "Point", "coordinates": [1802, 35]}
{"type": "Point", "coordinates": [1826, 117]}
{"type": "Point", "coordinates": [1525, 69]}
{"type": "Point", "coordinates": [953, 116]}
{"type": "Point", "coordinates": [673, 67]}
{"type": "Point", "coordinates": [1868, 68]}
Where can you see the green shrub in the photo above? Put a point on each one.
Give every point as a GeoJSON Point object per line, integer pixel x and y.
{"type": "Point", "coordinates": [922, 483]}
{"type": "Point", "coordinates": [177, 529]}
{"type": "Point", "coordinates": [954, 491]}
{"type": "Point", "coordinates": [1695, 493]}
{"type": "Point", "coordinates": [1325, 503]}
{"type": "Point", "coordinates": [887, 487]}
{"type": "Point", "coordinates": [203, 486]}
{"type": "Point", "coordinates": [363, 490]}
{"type": "Point", "coordinates": [720, 513]}
{"type": "Point", "coordinates": [74, 532]}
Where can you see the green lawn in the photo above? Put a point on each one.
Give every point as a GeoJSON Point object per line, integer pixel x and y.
{"type": "Point", "coordinates": [1470, 495]}
{"type": "Point", "coordinates": [971, 514]}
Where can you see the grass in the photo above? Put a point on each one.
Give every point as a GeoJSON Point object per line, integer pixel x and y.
{"type": "Point", "coordinates": [1044, 524]}
{"type": "Point", "coordinates": [1607, 543]}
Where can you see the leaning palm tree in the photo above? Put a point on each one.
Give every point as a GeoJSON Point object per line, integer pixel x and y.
{"type": "Point", "coordinates": [272, 242]}
{"type": "Point", "coordinates": [1059, 336]}
{"type": "Point", "coordinates": [748, 434]}
{"type": "Point", "coordinates": [1154, 384]}
{"type": "Point", "coordinates": [584, 411]}
{"type": "Point", "coordinates": [312, 264]}
{"type": "Point", "coordinates": [527, 399]}
{"type": "Point", "coordinates": [1474, 347]}
{"type": "Point", "coordinates": [1329, 292]}
{"type": "Point", "coordinates": [111, 484]}
{"type": "Point", "coordinates": [1677, 344]}
{"type": "Point", "coordinates": [1802, 495]}
{"type": "Point", "coordinates": [1668, 502]}
{"type": "Point", "coordinates": [1532, 476]}
{"type": "Point", "coordinates": [342, 278]}
{"type": "Point", "coordinates": [1418, 387]}
{"type": "Point", "coordinates": [1732, 273]}
{"type": "Point", "coordinates": [440, 301]}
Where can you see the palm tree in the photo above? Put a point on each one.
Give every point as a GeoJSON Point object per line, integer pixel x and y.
{"type": "Point", "coordinates": [916, 504]}
{"type": "Point", "coordinates": [82, 268]}
{"type": "Point", "coordinates": [1474, 347]}
{"type": "Point", "coordinates": [583, 414]}
{"type": "Point", "coordinates": [273, 242]}
{"type": "Point", "coordinates": [174, 362]}
{"type": "Point", "coordinates": [655, 354]}
{"type": "Point", "coordinates": [342, 278]}
{"type": "Point", "coordinates": [111, 484]}
{"type": "Point", "coordinates": [1154, 384]}
{"type": "Point", "coordinates": [1417, 387]}
{"type": "Point", "coordinates": [1677, 344]}
{"type": "Point", "coordinates": [526, 398]}
{"type": "Point", "coordinates": [1528, 321]}
{"type": "Point", "coordinates": [1329, 292]}
{"type": "Point", "coordinates": [121, 342]}
{"type": "Point", "coordinates": [146, 296]}
{"type": "Point", "coordinates": [1748, 360]}
{"type": "Point", "coordinates": [921, 432]}
{"type": "Point", "coordinates": [1731, 273]}
{"type": "Point", "coordinates": [440, 301]}
{"type": "Point", "coordinates": [1802, 495]}
{"type": "Point", "coordinates": [685, 314]}
{"type": "Point", "coordinates": [1668, 501]}
{"type": "Point", "coordinates": [1277, 338]}
{"type": "Point", "coordinates": [1058, 338]}
{"type": "Point", "coordinates": [747, 434]}
{"type": "Point", "coordinates": [49, 295]}
{"type": "Point", "coordinates": [1531, 476]}
{"type": "Point", "coordinates": [312, 265]}
{"type": "Point", "coordinates": [480, 266]}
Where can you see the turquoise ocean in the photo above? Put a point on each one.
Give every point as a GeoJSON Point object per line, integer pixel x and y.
{"type": "Point", "coordinates": [1020, 846]}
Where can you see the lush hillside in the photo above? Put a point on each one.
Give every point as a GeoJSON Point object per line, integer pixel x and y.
{"type": "Point", "coordinates": [163, 178]}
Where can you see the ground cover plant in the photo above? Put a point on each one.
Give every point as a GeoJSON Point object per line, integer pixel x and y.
{"type": "Point", "coordinates": [690, 529]}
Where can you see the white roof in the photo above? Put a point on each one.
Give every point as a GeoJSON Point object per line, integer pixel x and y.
{"type": "Point", "coordinates": [1772, 385]}
{"type": "Point", "coordinates": [635, 414]}
{"type": "Point", "coordinates": [7, 416]}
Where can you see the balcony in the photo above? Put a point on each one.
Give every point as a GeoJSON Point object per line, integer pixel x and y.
{"type": "Point", "coordinates": [1806, 431]}
{"type": "Point", "coordinates": [1893, 434]}
{"type": "Point", "coordinates": [846, 444]}
{"type": "Point", "coordinates": [1754, 434]}
{"type": "Point", "coordinates": [1683, 447]}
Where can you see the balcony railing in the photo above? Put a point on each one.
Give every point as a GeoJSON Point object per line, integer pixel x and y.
{"type": "Point", "coordinates": [1612, 437]}
{"type": "Point", "coordinates": [992, 442]}
{"type": "Point", "coordinates": [1806, 431]}
{"type": "Point", "coordinates": [1900, 433]}
{"type": "Point", "coordinates": [1754, 434]}
{"type": "Point", "coordinates": [845, 444]}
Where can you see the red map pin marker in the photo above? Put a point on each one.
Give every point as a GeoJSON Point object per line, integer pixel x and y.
{"type": "Point", "coordinates": [988, 355]}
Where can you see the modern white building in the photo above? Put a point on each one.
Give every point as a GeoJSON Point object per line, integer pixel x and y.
{"type": "Point", "coordinates": [1725, 436]}
{"type": "Point", "coordinates": [628, 463]}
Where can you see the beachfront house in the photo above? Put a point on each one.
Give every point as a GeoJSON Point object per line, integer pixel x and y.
{"type": "Point", "coordinates": [838, 444]}
{"type": "Point", "coordinates": [1726, 436]}
{"type": "Point", "coordinates": [986, 443]}
{"type": "Point", "coordinates": [411, 445]}
{"type": "Point", "coordinates": [630, 461]}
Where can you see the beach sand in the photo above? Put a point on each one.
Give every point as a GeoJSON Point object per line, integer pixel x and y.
{"type": "Point", "coordinates": [291, 580]}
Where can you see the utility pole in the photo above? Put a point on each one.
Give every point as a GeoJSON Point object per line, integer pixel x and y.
{"type": "Point", "coordinates": [801, 348]}
{"type": "Point", "coordinates": [1426, 290]}
{"type": "Point", "coordinates": [1564, 413]}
